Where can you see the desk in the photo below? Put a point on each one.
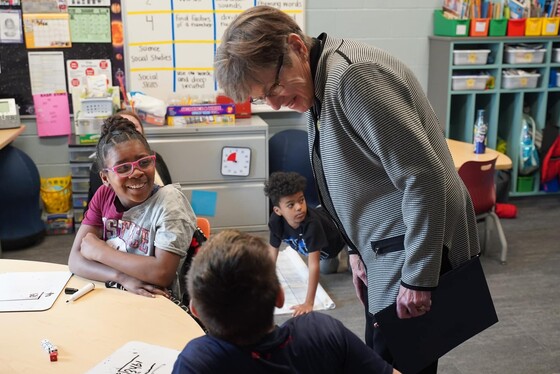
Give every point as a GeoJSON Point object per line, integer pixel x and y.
{"type": "Point", "coordinates": [8, 135]}
{"type": "Point", "coordinates": [88, 330]}
{"type": "Point", "coordinates": [463, 152]}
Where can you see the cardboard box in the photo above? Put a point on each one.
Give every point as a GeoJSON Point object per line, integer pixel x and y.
{"type": "Point", "coordinates": [150, 119]}
{"type": "Point", "coordinates": [242, 110]}
{"type": "Point", "coordinates": [200, 109]}
{"type": "Point", "coordinates": [216, 119]}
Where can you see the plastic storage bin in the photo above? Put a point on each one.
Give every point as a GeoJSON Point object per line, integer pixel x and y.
{"type": "Point", "coordinates": [550, 26]}
{"type": "Point", "coordinates": [97, 107]}
{"type": "Point", "coordinates": [80, 170]}
{"type": "Point", "coordinates": [533, 26]}
{"type": "Point", "coordinates": [556, 54]}
{"type": "Point", "coordinates": [529, 80]}
{"type": "Point", "coordinates": [88, 125]}
{"type": "Point", "coordinates": [497, 27]}
{"type": "Point", "coordinates": [79, 200]}
{"type": "Point", "coordinates": [524, 56]}
{"type": "Point", "coordinates": [516, 27]}
{"type": "Point", "coordinates": [81, 154]}
{"type": "Point", "coordinates": [450, 27]}
{"type": "Point", "coordinates": [469, 82]}
{"type": "Point", "coordinates": [471, 57]}
{"type": "Point", "coordinates": [479, 27]}
{"type": "Point", "coordinates": [525, 183]}
{"type": "Point", "coordinates": [80, 185]}
{"type": "Point", "coordinates": [56, 194]}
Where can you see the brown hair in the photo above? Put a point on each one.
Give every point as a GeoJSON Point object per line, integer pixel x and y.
{"type": "Point", "coordinates": [233, 287]}
{"type": "Point", "coordinates": [252, 42]}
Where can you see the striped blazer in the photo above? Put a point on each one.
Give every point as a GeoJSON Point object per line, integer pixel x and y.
{"type": "Point", "coordinates": [384, 170]}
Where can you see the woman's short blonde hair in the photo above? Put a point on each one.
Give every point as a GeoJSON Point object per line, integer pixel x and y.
{"type": "Point", "coordinates": [253, 41]}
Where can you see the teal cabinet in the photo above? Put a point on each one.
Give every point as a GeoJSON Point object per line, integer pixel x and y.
{"type": "Point", "coordinates": [455, 92]}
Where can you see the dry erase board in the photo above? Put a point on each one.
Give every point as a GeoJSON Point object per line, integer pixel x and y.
{"type": "Point", "coordinates": [170, 45]}
{"type": "Point", "coordinates": [14, 65]}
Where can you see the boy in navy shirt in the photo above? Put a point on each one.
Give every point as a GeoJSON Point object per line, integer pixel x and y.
{"type": "Point", "coordinates": [309, 231]}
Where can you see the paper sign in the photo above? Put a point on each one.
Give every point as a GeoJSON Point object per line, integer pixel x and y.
{"type": "Point", "coordinates": [10, 26]}
{"type": "Point", "coordinates": [90, 25]}
{"type": "Point", "coordinates": [46, 71]}
{"type": "Point", "coordinates": [53, 114]}
{"type": "Point", "coordinates": [79, 70]}
{"type": "Point", "coordinates": [138, 357]}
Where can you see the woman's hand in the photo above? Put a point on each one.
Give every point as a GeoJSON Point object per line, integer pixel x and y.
{"type": "Point", "coordinates": [359, 276]}
{"type": "Point", "coordinates": [413, 303]}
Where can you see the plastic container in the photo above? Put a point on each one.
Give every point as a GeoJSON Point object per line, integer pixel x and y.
{"type": "Point", "coordinates": [524, 56]}
{"type": "Point", "coordinates": [550, 26]}
{"type": "Point", "coordinates": [88, 125]}
{"type": "Point", "coordinates": [556, 54]}
{"type": "Point", "coordinates": [81, 154]}
{"type": "Point", "coordinates": [80, 170]}
{"type": "Point", "coordinates": [498, 27]}
{"type": "Point", "coordinates": [479, 27]}
{"type": "Point", "coordinates": [56, 194]}
{"type": "Point", "coordinates": [516, 27]}
{"type": "Point", "coordinates": [97, 107]}
{"type": "Point", "coordinates": [525, 183]}
{"type": "Point", "coordinates": [533, 26]}
{"type": "Point", "coordinates": [80, 185]}
{"type": "Point", "coordinates": [529, 80]}
{"type": "Point", "coordinates": [470, 57]}
{"type": "Point", "coordinates": [450, 27]}
{"type": "Point", "coordinates": [558, 79]}
{"type": "Point", "coordinates": [469, 82]}
{"type": "Point", "coordinates": [79, 200]}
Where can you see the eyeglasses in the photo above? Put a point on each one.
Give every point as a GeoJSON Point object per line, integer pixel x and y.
{"type": "Point", "coordinates": [126, 169]}
{"type": "Point", "coordinates": [275, 88]}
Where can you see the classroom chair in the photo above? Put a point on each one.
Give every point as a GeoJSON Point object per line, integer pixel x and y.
{"type": "Point", "coordinates": [288, 150]}
{"type": "Point", "coordinates": [478, 177]}
{"type": "Point", "coordinates": [204, 225]}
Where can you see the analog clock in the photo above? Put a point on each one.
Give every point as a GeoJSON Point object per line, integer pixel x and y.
{"type": "Point", "coordinates": [236, 161]}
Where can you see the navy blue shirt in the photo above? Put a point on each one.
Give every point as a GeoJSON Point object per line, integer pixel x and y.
{"type": "Point", "coordinates": [311, 343]}
{"type": "Point", "coordinates": [317, 232]}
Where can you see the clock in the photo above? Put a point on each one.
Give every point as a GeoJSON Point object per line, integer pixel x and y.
{"type": "Point", "coordinates": [236, 161]}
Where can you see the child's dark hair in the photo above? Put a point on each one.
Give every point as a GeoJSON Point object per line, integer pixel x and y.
{"type": "Point", "coordinates": [281, 183]}
{"type": "Point", "coordinates": [115, 130]}
{"type": "Point", "coordinates": [233, 287]}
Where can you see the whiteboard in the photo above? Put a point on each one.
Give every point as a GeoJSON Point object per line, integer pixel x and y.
{"type": "Point", "coordinates": [170, 44]}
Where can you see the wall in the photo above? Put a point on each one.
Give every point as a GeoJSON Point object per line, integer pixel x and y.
{"type": "Point", "coordinates": [401, 27]}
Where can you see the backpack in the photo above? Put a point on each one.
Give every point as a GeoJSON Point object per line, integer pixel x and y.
{"type": "Point", "coordinates": [551, 163]}
{"type": "Point", "coordinates": [528, 153]}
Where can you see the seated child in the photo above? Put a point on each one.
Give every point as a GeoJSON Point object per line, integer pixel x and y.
{"type": "Point", "coordinates": [310, 231]}
{"type": "Point", "coordinates": [234, 289]}
{"type": "Point", "coordinates": [134, 233]}
{"type": "Point", "coordinates": [162, 175]}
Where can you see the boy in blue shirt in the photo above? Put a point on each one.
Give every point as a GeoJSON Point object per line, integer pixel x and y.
{"type": "Point", "coordinates": [234, 289]}
{"type": "Point", "coordinates": [309, 231]}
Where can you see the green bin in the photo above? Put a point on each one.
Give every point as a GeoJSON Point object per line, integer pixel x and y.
{"type": "Point", "coordinates": [498, 27]}
{"type": "Point", "coordinates": [525, 183]}
{"type": "Point", "coordinates": [449, 27]}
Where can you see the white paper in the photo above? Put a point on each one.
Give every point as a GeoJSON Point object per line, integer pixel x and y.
{"type": "Point", "coordinates": [293, 275]}
{"type": "Point", "coordinates": [138, 358]}
{"type": "Point", "coordinates": [31, 291]}
{"type": "Point", "coordinates": [46, 71]}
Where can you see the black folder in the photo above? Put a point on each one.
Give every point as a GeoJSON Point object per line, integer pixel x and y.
{"type": "Point", "coordinates": [461, 308]}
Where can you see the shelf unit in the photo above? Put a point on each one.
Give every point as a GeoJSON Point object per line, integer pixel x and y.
{"type": "Point", "coordinates": [80, 159]}
{"type": "Point", "coordinates": [456, 109]}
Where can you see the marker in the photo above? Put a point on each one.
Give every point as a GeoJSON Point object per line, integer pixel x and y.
{"type": "Point", "coordinates": [70, 290]}
{"type": "Point", "coordinates": [81, 292]}
{"type": "Point", "coordinates": [51, 349]}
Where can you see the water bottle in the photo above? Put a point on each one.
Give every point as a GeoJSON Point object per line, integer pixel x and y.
{"type": "Point", "coordinates": [480, 130]}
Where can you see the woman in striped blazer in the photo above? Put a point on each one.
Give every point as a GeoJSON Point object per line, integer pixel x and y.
{"type": "Point", "coordinates": [380, 159]}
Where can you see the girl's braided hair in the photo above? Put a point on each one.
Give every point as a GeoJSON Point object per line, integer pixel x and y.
{"type": "Point", "coordinates": [115, 130]}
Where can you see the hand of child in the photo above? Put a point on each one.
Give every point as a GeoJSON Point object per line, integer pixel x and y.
{"type": "Point", "coordinates": [301, 309]}
{"type": "Point", "coordinates": [142, 288]}
{"type": "Point", "coordinates": [90, 247]}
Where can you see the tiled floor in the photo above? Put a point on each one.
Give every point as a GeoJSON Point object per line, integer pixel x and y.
{"type": "Point", "coordinates": [526, 293]}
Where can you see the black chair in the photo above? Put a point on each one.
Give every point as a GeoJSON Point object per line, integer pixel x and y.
{"type": "Point", "coordinates": [288, 150]}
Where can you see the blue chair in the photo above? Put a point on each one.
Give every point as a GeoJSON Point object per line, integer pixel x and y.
{"type": "Point", "coordinates": [288, 150]}
{"type": "Point", "coordinates": [20, 195]}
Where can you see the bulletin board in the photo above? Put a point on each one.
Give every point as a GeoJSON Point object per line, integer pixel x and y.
{"type": "Point", "coordinates": [14, 64]}
{"type": "Point", "coordinates": [170, 45]}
